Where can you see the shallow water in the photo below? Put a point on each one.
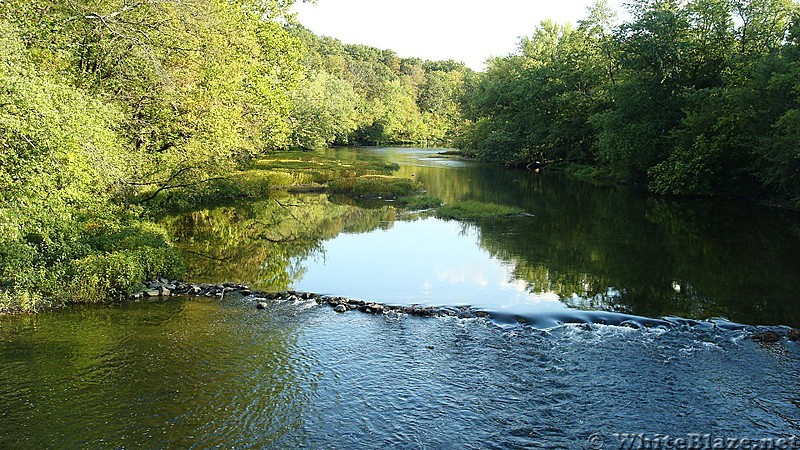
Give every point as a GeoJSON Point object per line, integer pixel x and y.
{"type": "Point", "coordinates": [204, 373]}
{"type": "Point", "coordinates": [201, 374]}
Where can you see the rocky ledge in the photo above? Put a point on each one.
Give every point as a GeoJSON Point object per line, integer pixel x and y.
{"type": "Point", "coordinates": [792, 334]}
{"type": "Point", "coordinates": [261, 300]}
{"type": "Point", "coordinates": [166, 288]}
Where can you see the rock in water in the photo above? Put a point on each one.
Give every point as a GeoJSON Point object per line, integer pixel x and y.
{"type": "Point", "coordinates": [261, 305]}
{"type": "Point", "coordinates": [767, 336]}
{"type": "Point", "coordinates": [794, 334]}
{"type": "Point", "coordinates": [340, 308]}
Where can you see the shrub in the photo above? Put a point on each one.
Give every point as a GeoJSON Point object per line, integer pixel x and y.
{"type": "Point", "coordinates": [101, 277]}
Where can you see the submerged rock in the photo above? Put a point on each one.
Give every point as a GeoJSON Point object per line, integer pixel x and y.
{"type": "Point", "coordinates": [766, 336]}
{"type": "Point", "coordinates": [794, 334]}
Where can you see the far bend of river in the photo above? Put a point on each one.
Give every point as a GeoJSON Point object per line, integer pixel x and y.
{"type": "Point", "coordinates": [205, 373]}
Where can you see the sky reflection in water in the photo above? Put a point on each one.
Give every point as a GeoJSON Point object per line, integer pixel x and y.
{"type": "Point", "coordinates": [581, 247]}
{"type": "Point", "coordinates": [426, 261]}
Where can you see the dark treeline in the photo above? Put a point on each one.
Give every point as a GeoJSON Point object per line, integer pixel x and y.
{"type": "Point", "coordinates": [696, 97]}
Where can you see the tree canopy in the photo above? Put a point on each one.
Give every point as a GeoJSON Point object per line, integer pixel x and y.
{"type": "Point", "coordinates": [691, 97]}
{"type": "Point", "coordinates": [355, 94]}
{"type": "Point", "coordinates": [106, 103]}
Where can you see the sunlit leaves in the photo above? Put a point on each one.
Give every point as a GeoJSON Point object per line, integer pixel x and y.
{"type": "Point", "coordinates": [398, 100]}
{"type": "Point", "coordinates": [692, 97]}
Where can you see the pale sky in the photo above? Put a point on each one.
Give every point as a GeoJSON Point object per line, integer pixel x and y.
{"type": "Point", "coordinates": [467, 31]}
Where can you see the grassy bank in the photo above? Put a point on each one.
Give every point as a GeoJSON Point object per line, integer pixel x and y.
{"type": "Point", "coordinates": [84, 259]}
{"type": "Point", "coordinates": [295, 171]}
{"type": "Point", "coordinates": [107, 253]}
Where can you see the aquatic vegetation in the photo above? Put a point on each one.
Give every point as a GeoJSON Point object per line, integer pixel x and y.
{"type": "Point", "coordinates": [419, 202]}
{"type": "Point", "coordinates": [475, 210]}
{"type": "Point", "coordinates": [375, 186]}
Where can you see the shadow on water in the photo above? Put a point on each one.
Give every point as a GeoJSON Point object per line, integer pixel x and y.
{"type": "Point", "coordinates": [151, 375]}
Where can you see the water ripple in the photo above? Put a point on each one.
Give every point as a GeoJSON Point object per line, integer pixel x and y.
{"type": "Point", "coordinates": [200, 374]}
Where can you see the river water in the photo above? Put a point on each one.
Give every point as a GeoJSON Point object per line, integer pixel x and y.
{"type": "Point", "coordinates": [205, 373]}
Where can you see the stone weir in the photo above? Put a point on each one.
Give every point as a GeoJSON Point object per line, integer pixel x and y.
{"type": "Point", "coordinates": [164, 288]}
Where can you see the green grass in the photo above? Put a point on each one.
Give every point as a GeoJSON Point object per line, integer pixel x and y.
{"type": "Point", "coordinates": [475, 210]}
{"type": "Point", "coordinates": [419, 202]}
{"type": "Point", "coordinates": [375, 186]}
{"type": "Point", "coordinates": [323, 167]}
{"type": "Point", "coordinates": [247, 184]}
{"type": "Point", "coordinates": [293, 171]}
{"type": "Point", "coordinates": [297, 171]}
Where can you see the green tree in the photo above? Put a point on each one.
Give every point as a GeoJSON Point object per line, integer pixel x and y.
{"type": "Point", "coordinates": [201, 84]}
{"type": "Point", "coordinates": [62, 235]}
{"type": "Point", "coordinates": [772, 98]}
{"type": "Point", "coordinates": [534, 105]}
{"type": "Point", "coordinates": [325, 111]}
{"type": "Point", "coordinates": [438, 100]}
{"type": "Point", "coordinates": [103, 102]}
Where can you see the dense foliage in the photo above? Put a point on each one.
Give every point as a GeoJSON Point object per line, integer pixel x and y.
{"type": "Point", "coordinates": [104, 104]}
{"type": "Point", "coordinates": [111, 109]}
{"type": "Point", "coordinates": [692, 97]}
{"type": "Point", "coordinates": [354, 94]}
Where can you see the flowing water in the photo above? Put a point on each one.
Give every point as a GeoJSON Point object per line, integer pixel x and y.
{"type": "Point", "coordinates": [203, 373]}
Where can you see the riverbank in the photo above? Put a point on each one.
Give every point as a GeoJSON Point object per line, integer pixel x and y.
{"type": "Point", "coordinates": [290, 171]}
{"type": "Point", "coordinates": [126, 256]}
{"type": "Point", "coordinates": [605, 175]}
{"type": "Point", "coordinates": [102, 259]}
{"type": "Point", "coordinates": [601, 175]}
